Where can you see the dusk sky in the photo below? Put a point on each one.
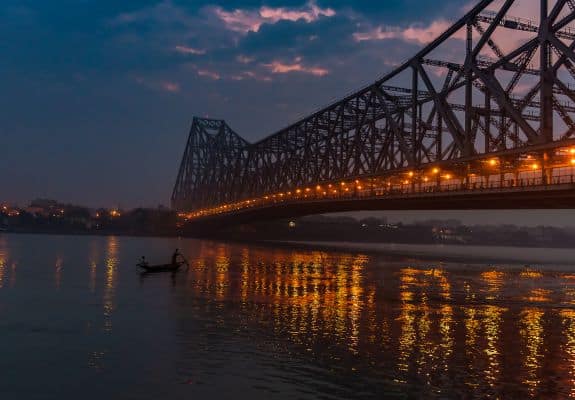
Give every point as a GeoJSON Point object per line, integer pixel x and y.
{"type": "Point", "coordinates": [98, 95]}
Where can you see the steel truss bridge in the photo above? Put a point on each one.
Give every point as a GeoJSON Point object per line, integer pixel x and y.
{"type": "Point", "coordinates": [483, 117]}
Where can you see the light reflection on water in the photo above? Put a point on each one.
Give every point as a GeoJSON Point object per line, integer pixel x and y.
{"type": "Point", "coordinates": [435, 330]}
{"type": "Point", "coordinates": [282, 323]}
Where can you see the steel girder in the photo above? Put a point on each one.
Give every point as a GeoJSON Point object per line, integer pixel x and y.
{"type": "Point", "coordinates": [426, 111]}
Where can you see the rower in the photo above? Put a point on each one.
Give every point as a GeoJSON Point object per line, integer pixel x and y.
{"type": "Point", "coordinates": [175, 256]}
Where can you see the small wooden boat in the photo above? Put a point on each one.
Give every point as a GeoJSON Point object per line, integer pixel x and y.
{"type": "Point", "coordinates": [162, 267]}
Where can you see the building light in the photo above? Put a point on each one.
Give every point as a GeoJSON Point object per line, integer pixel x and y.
{"type": "Point", "coordinates": [447, 176]}
{"type": "Point", "coordinates": [435, 170]}
{"type": "Point", "coordinates": [410, 173]}
{"type": "Point", "coordinates": [318, 187]}
{"type": "Point", "coordinates": [534, 166]}
{"type": "Point", "coordinates": [493, 162]}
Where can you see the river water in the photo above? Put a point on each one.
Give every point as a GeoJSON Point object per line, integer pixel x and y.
{"type": "Point", "coordinates": [265, 322]}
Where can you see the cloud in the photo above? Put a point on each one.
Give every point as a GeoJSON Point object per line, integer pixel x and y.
{"type": "Point", "coordinates": [208, 74]}
{"type": "Point", "coordinates": [278, 67]}
{"type": "Point", "coordinates": [242, 59]}
{"type": "Point", "coordinates": [245, 21]}
{"type": "Point", "coordinates": [250, 75]}
{"type": "Point", "coordinates": [171, 87]}
{"type": "Point", "coordinates": [414, 33]}
{"type": "Point", "coordinates": [189, 50]}
{"type": "Point", "coordinates": [154, 84]}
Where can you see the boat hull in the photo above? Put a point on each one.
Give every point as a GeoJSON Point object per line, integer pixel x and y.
{"type": "Point", "coordinates": [161, 267]}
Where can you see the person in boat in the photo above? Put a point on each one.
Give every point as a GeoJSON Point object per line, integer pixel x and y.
{"type": "Point", "coordinates": [175, 256]}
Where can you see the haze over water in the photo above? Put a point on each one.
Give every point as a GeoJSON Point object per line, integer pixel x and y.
{"type": "Point", "coordinates": [247, 321]}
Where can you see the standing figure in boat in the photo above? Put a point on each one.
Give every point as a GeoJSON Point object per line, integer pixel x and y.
{"type": "Point", "coordinates": [175, 256]}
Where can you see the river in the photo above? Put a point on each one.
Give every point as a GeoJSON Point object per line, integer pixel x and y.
{"type": "Point", "coordinates": [274, 322]}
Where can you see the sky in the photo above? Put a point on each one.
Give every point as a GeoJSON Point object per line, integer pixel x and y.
{"type": "Point", "coordinates": [98, 95]}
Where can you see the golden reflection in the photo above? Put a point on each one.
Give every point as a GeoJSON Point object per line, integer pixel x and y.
{"type": "Point", "coordinates": [568, 321]}
{"type": "Point", "coordinates": [4, 261]}
{"type": "Point", "coordinates": [245, 273]}
{"type": "Point", "coordinates": [2, 268]}
{"type": "Point", "coordinates": [529, 273]}
{"type": "Point", "coordinates": [494, 280]}
{"type": "Point", "coordinates": [222, 266]}
{"type": "Point", "coordinates": [110, 283]}
{"type": "Point", "coordinates": [356, 299]}
{"type": "Point", "coordinates": [532, 333]}
{"type": "Point", "coordinates": [446, 331]}
{"type": "Point", "coordinates": [407, 336]}
{"type": "Point", "coordinates": [430, 323]}
{"type": "Point", "coordinates": [473, 324]}
{"type": "Point", "coordinates": [538, 296]}
{"type": "Point", "coordinates": [492, 319]}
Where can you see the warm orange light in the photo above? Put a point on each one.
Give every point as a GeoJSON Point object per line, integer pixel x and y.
{"type": "Point", "coordinates": [425, 179]}
{"type": "Point", "coordinates": [534, 166]}
{"type": "Point", "coordinates": [307, 189]}
{"type": "Point", "coordinates": [572, 151]}
{"type": "Point", "coordinates": [343, 184]}
{"type": "Point", "coordinates": [318, 187]}
{"type": "Point", "coordinates": [359, 188]}
{"type": "Point", "coordinates": [447, 176]}
{"type": "Point", "coordinates": [298, 191]}
{"type": "Point", "coordinates": [493, 162]}
{"type": "Point", "coordinates": [410, 174]}
{"type": "Point", "coordinates": [573, 161]}
{"type": "Point", "coordinates": [435, 170]}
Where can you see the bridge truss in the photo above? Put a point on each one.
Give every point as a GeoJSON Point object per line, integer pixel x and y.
{"type": "Point", "coordinates": [493, 95]}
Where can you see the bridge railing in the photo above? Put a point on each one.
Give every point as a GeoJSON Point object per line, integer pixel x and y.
{"type": "Point", "coordinates": [362, 191]}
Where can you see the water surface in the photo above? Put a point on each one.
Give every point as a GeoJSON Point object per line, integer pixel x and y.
{"type": "Point", "coordinates": [247, 321]}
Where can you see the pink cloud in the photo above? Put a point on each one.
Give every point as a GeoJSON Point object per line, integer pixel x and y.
{"type": "Point", "coordinates": [245, 21]}
{"type": "Point", "coordinates": [208, 74]}
{"type": "Point", "coordinates": [189, 50]}
{"type": "Point", "coordinates": [414, 33]}
{"type": "Point", "coordinates": [278, 67]}
{"type": "Point", "coordinates": [171, 87]}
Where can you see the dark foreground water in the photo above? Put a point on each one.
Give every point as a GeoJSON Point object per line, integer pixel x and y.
{"type": "Point", "coordinates": [78, 322]}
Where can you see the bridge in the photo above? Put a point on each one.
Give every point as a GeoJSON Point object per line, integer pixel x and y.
{"type": "Point", "coordinates": [481, 118]}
